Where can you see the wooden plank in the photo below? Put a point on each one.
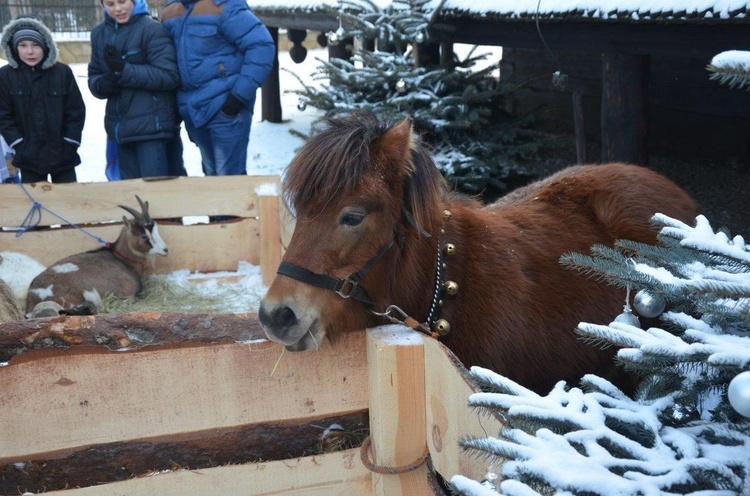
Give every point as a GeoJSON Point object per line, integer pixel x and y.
{"type": "Point", "coordinates": [270, 237]}
{"type": "Point", "coordinates": [397, 423]}
{"type": "Point", "coordinates": [126, 331]}
{"type": "Point", "coordinates": [335, 474]}
{"type": "Point", "coordinates": [83, 203]}
{"type": "Point", "coordinates": [60, 401]}
{"type": "Point", "coordinates": [113, 462]}
{"type": "Point", "coordinates": [449, 418]}
{"type": "Point", "coordinates": [199, 247]}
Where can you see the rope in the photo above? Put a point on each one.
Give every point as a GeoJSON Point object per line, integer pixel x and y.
{"type": "Point", "coordinates": [34, 217]}
{"type": "Point", "coordinates": [364, 453]}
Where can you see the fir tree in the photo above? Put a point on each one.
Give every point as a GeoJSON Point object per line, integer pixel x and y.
{"type": "Point", "coordinates": [681, 432]}
{"type": "Point", "coordinates": [457, 107]}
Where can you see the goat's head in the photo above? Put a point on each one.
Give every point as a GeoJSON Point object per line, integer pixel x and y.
{"type": "Point", "coordinates": [144, 235]}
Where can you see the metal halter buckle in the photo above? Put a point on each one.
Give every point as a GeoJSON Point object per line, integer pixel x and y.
{"type": "Point", "coordinates": [347, 287]}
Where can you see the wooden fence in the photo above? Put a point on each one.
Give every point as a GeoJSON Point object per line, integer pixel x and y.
{"type": "Point", "coordinates": [194, 404]}
{"type": "Point", "coordinates": [257, 232]}
{"type": "Point", "coordinates": [74, 418]}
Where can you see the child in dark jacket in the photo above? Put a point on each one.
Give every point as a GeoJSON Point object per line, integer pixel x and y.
{"type": "Point", "coordinates": [41, 108]}
{"type": "Point", "coordinates": [134, 67]}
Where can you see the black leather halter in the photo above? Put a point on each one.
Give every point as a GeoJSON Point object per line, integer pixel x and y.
{"type": "Point", "coordinates": [348, 287]}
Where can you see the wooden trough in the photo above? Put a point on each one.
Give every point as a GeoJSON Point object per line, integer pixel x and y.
{"type": "Point", "coordinates": [200, 404]}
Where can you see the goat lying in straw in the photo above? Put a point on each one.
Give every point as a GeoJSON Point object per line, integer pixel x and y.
{"type": "Point", "coordinates": [79, 282]}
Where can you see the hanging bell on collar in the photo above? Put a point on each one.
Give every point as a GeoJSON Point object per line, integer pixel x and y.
{"type": "Point", "coordinates": [442, 327]}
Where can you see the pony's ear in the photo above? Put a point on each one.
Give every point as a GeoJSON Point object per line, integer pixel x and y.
{"type": "Point", "coordinates": [395, 146]}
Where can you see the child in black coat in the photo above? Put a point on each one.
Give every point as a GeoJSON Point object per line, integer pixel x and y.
{"type": "Point", "coordinates": [41, 108]}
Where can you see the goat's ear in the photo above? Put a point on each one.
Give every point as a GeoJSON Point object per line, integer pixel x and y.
{"type": "Point", "coordinates": [127, 222]}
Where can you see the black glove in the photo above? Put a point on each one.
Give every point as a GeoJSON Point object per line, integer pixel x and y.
{"type": "Point", "coordinates": [232, 105]}
{"type": "Point", "coordinates": [108, 85]}
{"type": "Point", "coordinates": [113, 59]}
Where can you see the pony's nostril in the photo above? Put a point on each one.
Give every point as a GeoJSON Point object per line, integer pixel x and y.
{"type": "Point", "coordinates": [280, 319]}
{"type": "Point", "coordinates": [285, 318]}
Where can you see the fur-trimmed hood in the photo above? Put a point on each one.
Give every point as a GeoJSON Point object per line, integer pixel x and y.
{"type": "Point", "coordinates": [27, 22]}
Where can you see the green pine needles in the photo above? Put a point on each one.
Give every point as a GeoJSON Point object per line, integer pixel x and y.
{"type": "Point", "coordinates": [456, 104]}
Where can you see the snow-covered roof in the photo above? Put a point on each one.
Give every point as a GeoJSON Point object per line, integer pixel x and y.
{"type": "Point", "coordinates": [624, 10]}
{"type": "Point", "coordinates": [661, 11]}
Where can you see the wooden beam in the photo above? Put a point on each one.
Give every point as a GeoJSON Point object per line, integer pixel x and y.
{"type": "Point", "coordinates": [449, 418]}
{"type": "Point", "coordinates": [270, 236]}
{"type": "Point", "coordinates": [596, 35]}
{"type": "Point", "coordinates": [123, 332]}
{"type": "Point", "coordinates": [624, 107]}
{"type": "Point", "coordinates": [98, 202]}
{"type": "Point", "coordinates": [397, 424]}
{"type": "Point", "coordinates": [335, 474]}
{"type": "Point", "coordinates": [55, 402]}
{"type": "Point", "coordinates": [199, 247]}
{"type": "Point", "coordinates": [113, 462]}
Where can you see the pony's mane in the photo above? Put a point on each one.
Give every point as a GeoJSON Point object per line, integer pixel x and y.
{"type": "Point", "coordinates": [333, 161]}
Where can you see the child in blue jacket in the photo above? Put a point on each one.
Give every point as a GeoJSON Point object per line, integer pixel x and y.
{"type": "Point", "coordinates": [224, 54]}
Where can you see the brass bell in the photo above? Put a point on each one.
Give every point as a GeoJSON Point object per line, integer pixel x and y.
{"type": "Point", "coordinates": [447, 215]}
{"type": "Point", "coordinates": [451, 287]}
{"type": "Point", "coordinates": [449, 249]}
{"type": "Point", "coordinates": [442, 327]}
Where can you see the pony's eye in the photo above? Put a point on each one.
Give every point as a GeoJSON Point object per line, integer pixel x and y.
{"type": "Point", "coordinates": [351, 218]}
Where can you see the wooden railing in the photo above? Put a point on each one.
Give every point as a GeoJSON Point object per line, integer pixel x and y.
{"type": "Point", "coordinates": [81, 415]}
{"type": "Point", "coordinates": [257, 232]}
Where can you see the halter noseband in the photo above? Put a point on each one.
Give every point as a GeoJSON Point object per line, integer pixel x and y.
{"type": "Point", "coordinates": [348, 287]}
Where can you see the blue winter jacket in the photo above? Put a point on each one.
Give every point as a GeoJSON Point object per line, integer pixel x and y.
{"type": "Point", "coordinates": [146, 106]}
{"type": "Point", "coordinates": [222, 47]}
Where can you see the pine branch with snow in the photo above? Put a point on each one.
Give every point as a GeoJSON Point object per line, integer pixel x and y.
{"type": "Point", "coordinates": [680, 433]}
{"type": "Point", "coordinates": [456, 105]}
{"type": "Point", "coordinates": [731, 68]}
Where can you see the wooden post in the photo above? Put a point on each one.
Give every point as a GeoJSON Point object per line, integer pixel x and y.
{"type": "Point", "coordinates": [580, 128]}
{"type": "Point", "coordinates": [395, 356]}
{"type": "Point", "coordinates": [624, 103]}
{"type": "Point", "coordinates": [270, 236]}
{"type": "Point", "coordinates": [271, 89]}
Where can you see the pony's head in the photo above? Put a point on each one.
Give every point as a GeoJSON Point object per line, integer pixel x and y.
{"type": "Point", "coordinates": [358, 189]}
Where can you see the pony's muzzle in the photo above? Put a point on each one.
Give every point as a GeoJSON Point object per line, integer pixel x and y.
{"type": "Point", "coordinates": [278, 323]}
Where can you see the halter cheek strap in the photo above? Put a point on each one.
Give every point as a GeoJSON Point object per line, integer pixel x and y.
{"type": "Point", "coordinates": [348, 287]}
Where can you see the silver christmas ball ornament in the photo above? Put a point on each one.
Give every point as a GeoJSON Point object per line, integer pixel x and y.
{"type": "Point", "coordinates": [628, 317]}
{"type": "Point", "coordinates": [301, 105]}
{"type": "Point", "coordinates": [419, 38]}
{"type": "Point", "coordinates": [333, 38]}
{"type": "Point", "coordinates": [739, 393]}
{"type": "Point", "coordinates": [648, 304]}
{"type": "Point", "coordinates": [401, 86]}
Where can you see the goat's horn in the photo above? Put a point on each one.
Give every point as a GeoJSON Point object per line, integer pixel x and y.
{"type": "Point", "coordinates": [136, 215]}
{"type": "Point", "coordinates": [144, 208]}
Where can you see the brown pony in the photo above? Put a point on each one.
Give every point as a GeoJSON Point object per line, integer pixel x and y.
{"type": "Point", "coordinates": [376, 226]}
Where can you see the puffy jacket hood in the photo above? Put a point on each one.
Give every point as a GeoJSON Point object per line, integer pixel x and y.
{"type": "Point", "coordinates": [27, 22]}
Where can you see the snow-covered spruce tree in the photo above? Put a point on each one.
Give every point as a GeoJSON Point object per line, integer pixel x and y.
{"type": "Point", "coordinates": [457, 106]}
{"type": "Point", "coordinates": [687, 428]}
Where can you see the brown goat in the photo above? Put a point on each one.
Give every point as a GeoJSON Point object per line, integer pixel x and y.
{"type": "Point", "coordinates": [376, 226]}
{"type": "Point", "coordinates": [86, 278]}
